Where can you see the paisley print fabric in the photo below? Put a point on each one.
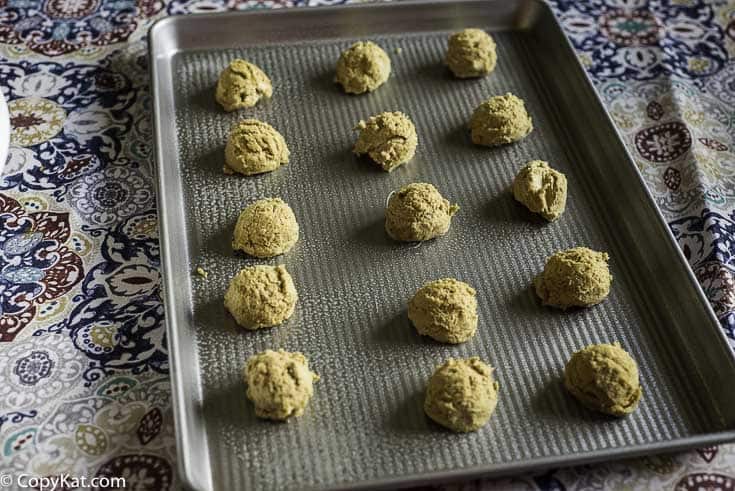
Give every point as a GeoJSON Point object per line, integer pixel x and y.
{"type": "Point", "coordinates": [82, 345]}
{"type": "Point", "coordinates": [61, 27]}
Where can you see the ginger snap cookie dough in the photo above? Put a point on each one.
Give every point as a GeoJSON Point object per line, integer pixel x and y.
{"type": "Point", "coordinates": [577, 277]}
{"type": "Point", "coordinates": [255, 147]}
{"type": "Point", "coordinates": [445, 310]}
{"type": "Point", "coordinates": [417, 212]}
{"type": "Point", "coordinates": [363, 67]}
{"type": "Point", "coordinates": [541, 189]}
{"type": "Point", "coordinates": [604, 378]}
{"type": "Point", "coordinates": [261, 296]}
{"type": "Point", "coordinates": [241, 85]}
{"type": "Point", "coordinates": [499, 120]}
{"type": "Point", "coordinates": [471, 53]}
{"type": "Point", "coordinates": [266, 228]}
{"type": "Point", "coordinates": [279, 383]}
{"type": "Point", "coordinates": [462, 394]}
{"type": "Point", "coordinates": [389, 139]}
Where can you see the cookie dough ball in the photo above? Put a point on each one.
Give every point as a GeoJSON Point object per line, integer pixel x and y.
{"type": "Point", "coordinates": [462, 395]}
{"type": "Point", "coordinates": [541, 189]}
{"type": "Point", "coordinates": [445, 310]}
{"type": "Point", "coordinates": [242, 84]}
{"type": "Point", "coordinates": [577, 277]}
{"type": "Point", "coordinates": [604, 378]}
{"type": "Point", "coordinates": [389, 139]}
{"type": "Point", "coordinates": [499, 120]}
{"type": "Point", "coordinates": [261, 296]}
{"type": "Point", "coordinates": [266, 228]}
{"type": "Point", "coordinates": [471, 53]}
{"type": "Point", "coordinates": [255, 147]}
{"type": "Point", "coordinates": [418, 212]}
{"type": "Point", "coordinates": [280, 384]}
{"type": "Point", "coordinates": [363, 67]}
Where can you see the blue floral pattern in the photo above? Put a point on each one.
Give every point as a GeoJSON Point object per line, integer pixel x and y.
{"type": "Point", "coordinates": [708, 242]}
{"type": "Point", "coordinates": [82, 343]}
{"type": "Point", "coordinates": [642, 39]}
{"type": "Point", "coordinates": [118, 322]}
{"type": "Point", "coordinates": [116, 193]}
{"type": "Point", "coordinates": [68, 121]}
{"type": "Point", "coordinates": [59, 27]}
{"type": "Point", "coordinates": [722, 84]}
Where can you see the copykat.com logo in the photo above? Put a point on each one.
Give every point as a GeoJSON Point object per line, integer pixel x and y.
{"type": "Point", "coordinates": [62, 481]}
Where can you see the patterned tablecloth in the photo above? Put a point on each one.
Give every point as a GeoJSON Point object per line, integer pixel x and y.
{"type": "Point", "coordinates": [83, 362]}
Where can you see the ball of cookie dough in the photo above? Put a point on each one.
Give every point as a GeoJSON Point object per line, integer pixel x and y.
{"type": "Point", "coordinates": [604, 378]}
{"type": "Point", "coordinates": [471, 53]}
{"type": "Point", "coordinates": [541, 189]}
{"type": "Point", "coordinates": [266, 228]}
{"type": "Point", "coordinates": [242, 84]}
{"type": "Point", "coordinates": [418, 212]}
{"type": "Point", "coordinates": [261, 296]}
{"type": "Point", "coordinates": [255, 147]}
{"type": "Point", "coordinates": [389, 139]}
{"type": "Point", "coordinates": [445, 310]}
{"type": "Point", "coordinates": [462, 394]}
{"type": "Point", "coordinates": [577, 277]}
{"type": "Point", "coordinates": [279, 383]}
{"type": "Point", "coordinates": [363, 67]}
{"type": "Point", "coordinates": [499, 120]}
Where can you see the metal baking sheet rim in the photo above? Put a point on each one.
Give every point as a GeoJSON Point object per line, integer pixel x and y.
{"type": "Point", "coordinates": [162, 50]}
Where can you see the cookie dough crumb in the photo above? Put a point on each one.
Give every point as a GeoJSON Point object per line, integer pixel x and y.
{"type": "Point", "coordinates": [255, 147]}
{"type": "Point", "coordinates": [499, 120]}
{"type": "Point", "coordinates": [399, 50]}
{"type": "Point", "coordinates": [261, 296]}
{"type": "Point", "coordinates": [241, 85]}
{"type": "Point", "coordinates": [266, 228]}
{"type": "Point", "coordinates": [471, 53]}
{"type": "Point", "coordinates": [389, 139]}
{"type": "Point", "coordinates": [541, 189]}
{"type": "Point", "coordinates": [462, 394]}
{"type": "Point", "coordinates": [604, 378]}
{"type": "Point", "coordinates": [279, 383]}
{"type": "Point", "coordinates": [200, 271]}
{"type": "Point", "coordinates": [417, 212]}
{"type": "Point", "coordinates": [577, 277]}
{"type": "Point", "coordinates": [445, 310]}
{"type": "Point", "coordinates": [363, 67]}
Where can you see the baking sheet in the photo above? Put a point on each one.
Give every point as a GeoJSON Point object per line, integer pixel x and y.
{"type": "Point", "coordinates": [365, 425]}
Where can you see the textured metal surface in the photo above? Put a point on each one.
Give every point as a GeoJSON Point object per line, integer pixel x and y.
{"type": "Point", "coordinates": [365, 423]}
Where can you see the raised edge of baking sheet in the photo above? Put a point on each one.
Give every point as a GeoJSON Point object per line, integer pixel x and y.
{"type": "Point", "coordinates": [365, 426]}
